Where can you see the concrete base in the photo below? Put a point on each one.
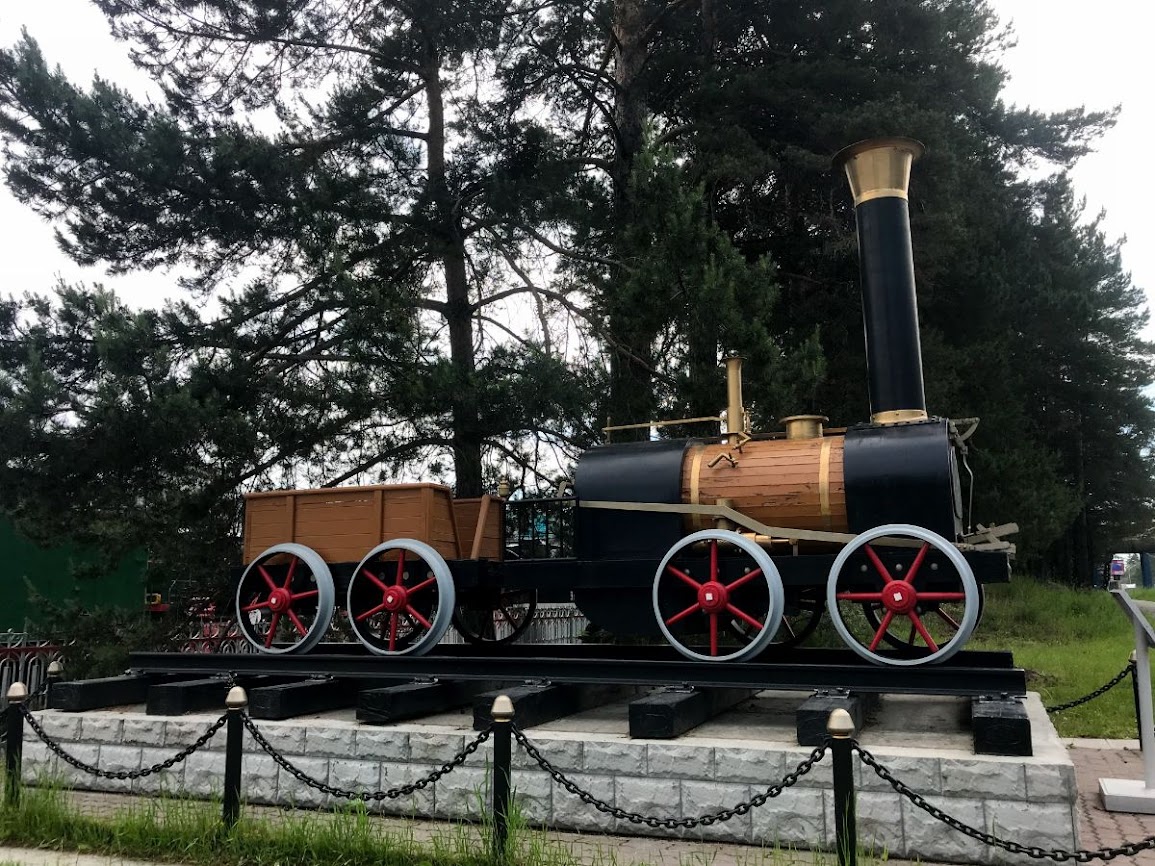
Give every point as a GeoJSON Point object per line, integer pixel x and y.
{"type": "Point", "coordinates": [726, 761]}
{"type": "Point", "coordinates": [1127, 795]}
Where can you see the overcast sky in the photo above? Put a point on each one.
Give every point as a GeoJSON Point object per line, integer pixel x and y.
{"type": "Point", "coordinates": [1069, 53]}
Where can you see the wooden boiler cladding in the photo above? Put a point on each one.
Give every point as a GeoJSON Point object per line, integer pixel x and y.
{"type": "Point", "coordinates": [795, 483]}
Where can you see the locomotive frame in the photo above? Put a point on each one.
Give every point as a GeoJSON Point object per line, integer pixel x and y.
{"type": "Point", "coordinates": [721, 539]}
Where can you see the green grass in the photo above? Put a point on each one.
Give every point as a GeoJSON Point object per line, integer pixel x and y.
{"type": "Point", "coordinates": [190, 832]}
{"type": "Point", "coordinates": [1070, 642]}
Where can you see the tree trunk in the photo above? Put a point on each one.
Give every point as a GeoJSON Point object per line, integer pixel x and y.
{"type": "Point", "coordinates": [458, 315]}
{"type": "Point", "coordinates": [631, 398]}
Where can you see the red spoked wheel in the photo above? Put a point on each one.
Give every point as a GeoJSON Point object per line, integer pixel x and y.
{"type": "Point", "coordinates": [929, 592]}
{"type": "Point", "coordinates": [285, 599]}
{"type": "Point", "coordinates": [901, 633]}
{"type": "Point", "coordinates": [709, 579]}
{"type": "Point", "coordinates": [401, 598]}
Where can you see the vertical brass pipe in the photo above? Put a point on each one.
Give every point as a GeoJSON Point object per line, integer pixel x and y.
{"type": "Point", "coordinates": [735, 411]}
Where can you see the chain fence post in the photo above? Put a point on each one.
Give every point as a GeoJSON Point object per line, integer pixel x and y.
{"type": "Point", "coordinates": [14, 748]}
{"type": "Point", "coordinates": [236, 702]}
{"type": "Point", "coordinates": [55, 675]}
{"type": "Point", "coordinates": [502, 715]}
{"type": "Point", "coordinates": [840, 726]}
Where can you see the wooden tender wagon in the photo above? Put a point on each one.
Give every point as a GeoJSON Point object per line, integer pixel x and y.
{"type": "Point", "coordinates": [382, 551]}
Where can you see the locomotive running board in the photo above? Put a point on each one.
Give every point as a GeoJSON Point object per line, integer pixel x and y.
{"type": "Point", "coordinates": [852, 673]}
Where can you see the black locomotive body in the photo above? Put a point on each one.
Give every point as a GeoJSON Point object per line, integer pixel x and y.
{"type": "Point", "coordinates": [726, 546]}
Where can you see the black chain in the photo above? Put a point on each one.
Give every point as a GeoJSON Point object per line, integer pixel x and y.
{"type": "Point", "coordinates": [1102, 690]}
{"type": "Point", "coordinates": [366, 796]}
{"type": "Point", "coordinates": [166, 764]}
{"type": "Point", "coordinates": [1127, 849]}
{"type": "Point", "coordinates": [667, 823]}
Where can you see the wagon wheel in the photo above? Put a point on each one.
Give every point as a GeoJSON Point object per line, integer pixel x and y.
{"type": "Point", "coordinates": [800, 617]}
{"type": "Point", "coordinates": [285, 599]}
{"type": "Point", "coordinates": [903, 598]}
{"type": "Point", "coordinates": [494, 616]}
{"type": "Point", "coordinates": [401, 598]}
{"type": "Point", "coordinates": [906, 637]}
{"type": "Point", "coordinates": [699, 589]}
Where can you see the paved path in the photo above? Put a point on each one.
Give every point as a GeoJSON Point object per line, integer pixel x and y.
{"type": "Point", "coordinates": [1098, 828]}
{"type": "Point", "coordinates": [1093, 759]}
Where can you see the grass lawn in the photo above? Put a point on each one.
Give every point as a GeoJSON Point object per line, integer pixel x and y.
{"type": "Point", "coordinates": [1070, 642]}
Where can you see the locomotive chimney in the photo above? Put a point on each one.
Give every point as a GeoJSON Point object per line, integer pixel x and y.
{"type": "Point", "coordinates": [879, 172]}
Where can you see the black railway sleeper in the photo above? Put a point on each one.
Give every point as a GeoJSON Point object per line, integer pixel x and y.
{"type": "Point", "coordinates": [397, 703]}
{"type": "Point", "coordinates": [285, 700]}
{"type": "Point", "coordinates": [1000, 726]}
{"type": "Point", "coordinates": [811, 717]}
{"type": "Point", "coordinates": [536, 704]}
{"type": "Point", "coordinates": [668, 714]}
{"type": "Point", "coordinates": [76, 696]}
{"type": "Point", "coordinates": [186, 696]}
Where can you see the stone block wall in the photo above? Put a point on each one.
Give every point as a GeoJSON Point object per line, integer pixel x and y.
{"type": "Point", "coordinates": [1030, 800]}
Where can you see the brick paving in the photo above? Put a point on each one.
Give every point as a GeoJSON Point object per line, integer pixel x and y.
{"type": "Point", "coordinates": [1098, 828]}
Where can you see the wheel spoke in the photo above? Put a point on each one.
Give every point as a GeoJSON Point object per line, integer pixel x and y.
{"type": "Point", "coordinates": [272, 629]}
{"type": "Point", "coordinates": [746, 578]}
{"type": "Point", "coordinates": [255, 606]}
{"type": "Point", "coordinates": [682, 576]}
{"type": "Point", "coordinates": [393, 617]}
{"type": "Point", "coordinates": [713, 634]}
{"type": "Point", "coordinates": [878, 566]}
{"type": "Point", "coordinates": [369, 613]}
{"type": "Point", "coordinates": [381, 585]}
{"type": "Point", "coordinates": [289, 576]}
{"type": "Point", "coordinates": [422, 585]}
{"type": "Point", "coordinates": [941, 596]}
{"type": "Point", "coordinates": [860, 596]}
{"type": "Point", "coordinates": [400, 569]}
{"type": "Point", "coordinates": [714, 562]}
{"type": "Point", "coordinates": [745, 617]}
{"type": "Point", "coordinates": [268, 578]}
{"type": "Point", "coordinates": [914, 566]}
{"type": "Point", "coordinates": [307, 594]}
{"type": "Point", "coordinates": [789, 628]}
{"type": "Point", "coordinates": [680, 616]}
{"type": "Point", "coordinates": [950, 620]}
{"type": "Point", "coordinates": [507, 616]}
{"type": "Point", "coordinates": [881, 630]}
{"type": "Point", "coordinates": [914, 618]}
{"type": "Point", "coordinates": [412, 611]}
{"type": "Point", "coordinates": [300, 626]}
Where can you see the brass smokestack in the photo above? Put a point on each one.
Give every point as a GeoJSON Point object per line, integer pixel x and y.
{"type": "Point", "coordinates": [735, 411]}
{"type": "Point", "coordinates": [879, 173]}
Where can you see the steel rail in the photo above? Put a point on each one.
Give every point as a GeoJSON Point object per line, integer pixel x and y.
{"type": "Point", "coordinates": [942, 679]}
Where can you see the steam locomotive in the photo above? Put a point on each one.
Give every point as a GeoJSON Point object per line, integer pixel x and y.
{"type": "Point", "coordinates": [727, 547]}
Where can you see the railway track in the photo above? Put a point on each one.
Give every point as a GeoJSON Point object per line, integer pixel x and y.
{"type": "Point", "coordinates": [668, 695]}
